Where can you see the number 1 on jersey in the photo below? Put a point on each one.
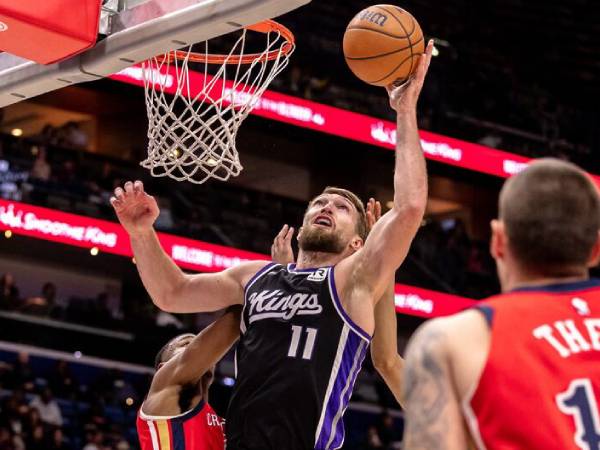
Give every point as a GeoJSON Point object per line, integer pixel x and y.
{"type": "Point", "coordinates": [579, 401]}
{"type": "Point", "coordinates": [311, 336]}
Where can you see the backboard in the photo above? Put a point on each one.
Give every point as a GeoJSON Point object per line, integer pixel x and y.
{"type": "Point", "coordinates": [133, 31]}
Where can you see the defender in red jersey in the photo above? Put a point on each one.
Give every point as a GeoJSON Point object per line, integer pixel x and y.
{"type": "Point", "coordinates": [522, 370]}
{"type": "Point", "coordinates": [176, 414]}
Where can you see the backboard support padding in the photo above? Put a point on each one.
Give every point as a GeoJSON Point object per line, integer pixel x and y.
{"type": "Point", "coordinates": [136, 34]}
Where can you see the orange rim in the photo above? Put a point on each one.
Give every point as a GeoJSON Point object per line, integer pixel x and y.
{"type": "Point", "coordinates": [264, 27]}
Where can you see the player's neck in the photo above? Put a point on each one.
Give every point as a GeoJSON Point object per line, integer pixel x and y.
{"type": "Point", "coordinates": [531, 279]}
{"type": "Point", "coordinates": [311, 260]}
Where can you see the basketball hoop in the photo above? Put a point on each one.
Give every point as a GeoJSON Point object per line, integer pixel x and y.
{"type": "Point", "coordinates": [194, 115]}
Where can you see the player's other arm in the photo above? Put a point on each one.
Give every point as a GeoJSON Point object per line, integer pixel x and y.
{"type": "Point", "coordinates": [390, 239]}
{"type": "Point", "coordinates": [169, 287]}
{"type": "Point", "coordinates": [433, 419]}
{"type": "Point", "coordinates": [205, 350]}
{"type": "Point", "coordinates": [384, 346]}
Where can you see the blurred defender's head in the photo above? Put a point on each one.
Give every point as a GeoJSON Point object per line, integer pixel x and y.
{"type": "Point", "coordinates": [335, 222]}
{"type": "Point", "coordinates": [549, 223]}
{"type": "Point", "coordinates": [176, 346]}
{"type": "Point", "coordinates": [172, 348]}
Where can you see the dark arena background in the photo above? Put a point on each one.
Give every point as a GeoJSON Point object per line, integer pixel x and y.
{"type": "Point", "coordinates": [510, 80]}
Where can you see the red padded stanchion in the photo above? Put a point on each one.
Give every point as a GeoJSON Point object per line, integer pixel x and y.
{"type": "Point", "coordinates": [48, 31]}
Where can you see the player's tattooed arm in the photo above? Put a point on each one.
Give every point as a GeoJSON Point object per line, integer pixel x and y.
{"type": "Point", "coordinates": [433, 418]}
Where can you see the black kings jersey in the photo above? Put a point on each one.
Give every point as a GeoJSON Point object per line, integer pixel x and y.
{"type": "Point", "coordinates": [296, 363]}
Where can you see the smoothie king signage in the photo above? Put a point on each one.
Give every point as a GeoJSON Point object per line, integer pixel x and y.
{"type": "Point", "coordinates": [110, 237]}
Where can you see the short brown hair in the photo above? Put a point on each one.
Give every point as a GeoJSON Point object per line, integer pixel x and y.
{"type": "Point", "coordinates": [551, 212]}
{"type": "Point", "coordinates": [166, 352]}
{"type": "Point", "coordinates": [361, 224]}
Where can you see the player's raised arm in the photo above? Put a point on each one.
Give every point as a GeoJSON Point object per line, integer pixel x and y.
{"type": "Point", "coordinates": [384, 346]}
{"type": "Point", "coordinates": [389, 241]}
{"type": "Point", "coordinates": [201, 354]}
{"type": "Point", "coordinates": [433, 419]}
{"type": "Point", "coordinates": [169, 287]}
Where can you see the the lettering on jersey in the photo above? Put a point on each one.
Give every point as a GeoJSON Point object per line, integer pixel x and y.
{"type": "Point", "coordinates": [214, 421]}
{"type": "Point", "coordinates": [275, 304]}
{"type": "Point", "coordinates": [567, 339]}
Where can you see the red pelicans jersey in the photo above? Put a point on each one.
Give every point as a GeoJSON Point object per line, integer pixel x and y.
{"type": "Point", "coordinates": [198, 429]}
{"type": "Point", "coordinates": [540, 387]}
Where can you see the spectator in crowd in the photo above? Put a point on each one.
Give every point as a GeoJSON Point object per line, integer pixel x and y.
{"type": "Point", "coordinates": [44, 304]}
{"type": "Point", "coordinates": [48, 135]}
{"type": "Point", "coordinates": [49, 295]}
{"type": "Point", "coordinates": [373, 440]}
{"type": "Point", "coordinates": [6, 438]}
{"type": "Point", "coordinates": [390, 434]}
{"type": "Point", "coordinates": [122, 445]}
{"type": "Point", "coordinates": [62, 382]}
{"type": "Point", "coordinates": [36, 440]}
{"type": "Point", "coordinates": [22, 374]}
{"type": "Point", "coordinates": [57, 441]}
{"type": "Point", "coordinates": [67, 174]}
{"type": "Point", "coordinates": [41, 169]}
{"type": "Point", "coordinates": [96, 415]}
{"type": "Point", "coordinates": [48, 408]}
{"type": "Point", "coordinates": [12, 417]}
{"type": "Point", "coordinates": [73, 136]}
{"type": "Point", "coordinates": [33, 420]}
{"type": "Point", "coordinates": [94, 440]}
{"type": "Point", "coordinates": [9, 293]}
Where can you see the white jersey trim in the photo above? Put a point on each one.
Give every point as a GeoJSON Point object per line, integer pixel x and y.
{"type": "Point", "coordinates": [342, 409]}
{"type": "Point", "coordinates": [333, 377]}
{"type": "Point", "coordinates": [153, 436]}
{"type": "Point", "coordinates": [340, 308]}
{"type": "Point", "coordinates": [471, 418]}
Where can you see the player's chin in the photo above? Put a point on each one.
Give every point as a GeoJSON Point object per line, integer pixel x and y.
{"type": "Point", "coordinates": [321, 230]}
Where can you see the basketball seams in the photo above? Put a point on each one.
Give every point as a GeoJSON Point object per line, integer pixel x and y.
{"type": "Point", "coordinates": [407, 37]}
{"type": "Point", "coordinates": [391, 72]}
{"type": "Point", "coordinates": [362, 58]}
{"type": "Point", "coordinates": [391, 13]}
{"type": "Point", "coordinates": [356, 27]}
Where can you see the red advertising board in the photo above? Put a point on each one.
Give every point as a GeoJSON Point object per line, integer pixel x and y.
{"type": "Point", "coordinates": [350, 125]}
{"type": "Point", "coordinates": [110, 237]}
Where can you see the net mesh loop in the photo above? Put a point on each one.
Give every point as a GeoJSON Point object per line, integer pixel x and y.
{"type": "Point", "coordinates": [194, 115]}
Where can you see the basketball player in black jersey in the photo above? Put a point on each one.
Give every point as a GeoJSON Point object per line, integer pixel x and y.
{"type": "Point", "coordinates": [384, 345]}
{"type": "Point", "coordinates": [305, 327]}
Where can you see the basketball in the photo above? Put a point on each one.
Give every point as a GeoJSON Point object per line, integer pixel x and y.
{"type": "Point", "coordinates": [382, 45]}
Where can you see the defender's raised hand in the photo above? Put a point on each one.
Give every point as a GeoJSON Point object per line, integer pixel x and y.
{"type": "Point", "coordinates": [373, 213]}
{"type": "Point", "coordinates": [281, 250]}
{"type": "Point", "coordinates": [135, 209]}
{"type": "Point", "coordinates": [404, 98]}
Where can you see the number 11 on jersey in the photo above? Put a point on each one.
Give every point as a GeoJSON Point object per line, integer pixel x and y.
{"type": "Point", "coordinates": [311, 336]}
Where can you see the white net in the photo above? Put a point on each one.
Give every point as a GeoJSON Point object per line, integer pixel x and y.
{"type": "Point", "coordinates": [194, 115]}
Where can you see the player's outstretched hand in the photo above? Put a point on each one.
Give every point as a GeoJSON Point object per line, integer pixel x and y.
{"type": "Point", "coordinates": [281, 250]}
{"type": "Point", "coordinates": [403, 98]}
{"type": "Point", "coordinates": [373, 213]}
{"type": "Point", "coordinates": [135, 209]}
